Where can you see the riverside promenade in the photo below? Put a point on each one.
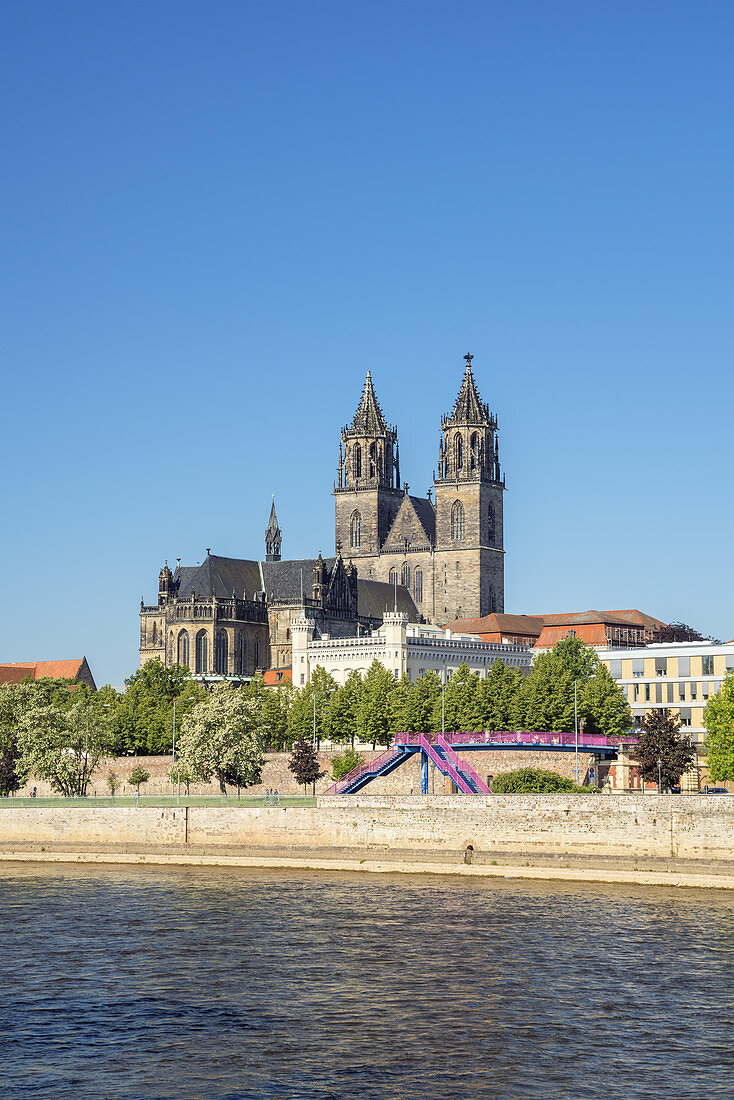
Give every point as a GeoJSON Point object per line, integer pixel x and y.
{"type": "Point", "coordinates": [664, 840]}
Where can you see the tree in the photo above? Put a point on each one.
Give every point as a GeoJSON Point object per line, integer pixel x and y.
{"type": "Point", "coordinates": [603, 706]}
{"type": "Point", "coordinates": [373, 710]}
{"type": "Point", "coordinates": [340, 715]}
{"type": "Point", "coordinates": [65, 746]}
{"type": "Point", "coordinates": [313, 698]}
{"type": "Point", "coordinates": [718, 718]}
{"type": "Point", "coordinates": [346, 762]}
{"type": "Point", "coordinates": [137, 777]}
{"type": "Point", "coordinates": [461, 702]}
{"type": "Point", "coordinates": [532, 781]}
{"type": "Point", "coordinates": [275, 703]}
{"type": "Point", "coordinates": [659, 739]}
{"type": "Point", "coordinates": [222, 736]}
{"type": "Point", "coordinates": [11, 773]}
{"type": "Point", "coordinates": [143, 717]}
{"type": "Point", "coordinates": [113, 781]}
{"type": "Point", "coordinates": [497, 697]}
{"type": "Point", "coordinates": [304, 763]}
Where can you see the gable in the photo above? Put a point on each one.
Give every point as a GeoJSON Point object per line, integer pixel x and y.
{"type": "Point", "coordinates": [411, 526]}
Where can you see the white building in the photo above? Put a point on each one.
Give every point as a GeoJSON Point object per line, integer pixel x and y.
{"type": "Point", "coordinates": [403, 648]}
{"type": "Point", "coordinates": [679, 675]}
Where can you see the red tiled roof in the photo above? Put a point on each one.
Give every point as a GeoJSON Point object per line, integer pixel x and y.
{"type": "Point", "coordinates": [499, 623]}
{"type": "Point", "coordinates": [14, 671]}
{"type": "Point", "coordinates": [274, 676]}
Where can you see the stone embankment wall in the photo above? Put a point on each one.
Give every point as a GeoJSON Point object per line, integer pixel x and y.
{"type": "Point", "coordinates": [277, 776]}
{"type": "Point", "coordinates": [685, 827]}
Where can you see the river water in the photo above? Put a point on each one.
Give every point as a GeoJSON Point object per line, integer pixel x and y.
{"type": "Point", "coordinates": [193, 982]}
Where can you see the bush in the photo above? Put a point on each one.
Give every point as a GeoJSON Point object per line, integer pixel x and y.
{"type": "Point", "coordinates": [533, 781]}
{"type": "Point", "coordinates": [344, 763]}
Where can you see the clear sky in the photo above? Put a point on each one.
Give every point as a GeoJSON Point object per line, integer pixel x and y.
{"type": "Point", "coordinates": [218, 216]}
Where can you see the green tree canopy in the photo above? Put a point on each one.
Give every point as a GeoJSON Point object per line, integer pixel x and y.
{"type": "Point", "coordinates": [659, 738]}
{"type": "Point", "coordinates": [532, 781]}
{"type": "Point", "coordinates": [718, 718]}
{"type": "Point", "coordinates": [64, 744]}
{"type": "Point", "coordinates": [143, 721]}
{"type": "Point", "coordinates": [340, 714]}
{"type": "Point", "coordinates": [304, 762]}
{"type": "Point", "coordinates": [373, 714]}
{"type": "Point", "coordinates": [222, 736]}
{"type": "Point", "coordinates": [462, 702]}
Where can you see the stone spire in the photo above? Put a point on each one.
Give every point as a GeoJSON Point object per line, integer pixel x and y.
{"type": "Point", "coordinates": [468, 409]}
{"type": "Point", "coordinates": [273, 536]}
{"type": "Point", "coordinates": [368, 419]}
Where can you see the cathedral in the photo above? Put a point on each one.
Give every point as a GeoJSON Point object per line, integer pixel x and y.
{"type": "Point", "coordinates": [435, 558]}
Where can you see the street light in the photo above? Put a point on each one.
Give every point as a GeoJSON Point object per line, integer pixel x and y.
{"type": "Point", "coordinates": [316, 694]}
{"type": "Point", "coordinates": [173, 761]}
{"type": "Point", "coordinates": [580, 680]}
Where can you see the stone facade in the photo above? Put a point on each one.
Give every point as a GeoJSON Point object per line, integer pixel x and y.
{"type": "Point", "coordinates": [438, 560]}
{"type": "Point", "coordinates": [449, 552]}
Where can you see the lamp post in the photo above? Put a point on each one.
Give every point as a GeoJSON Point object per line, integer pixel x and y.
{"type": "Point", "coordinates": [173, 762]}
{"type": "Point", "coordinates": [315, 696]}
{"type": "Point", "coordinates": [443, 709]}
{"type": "Point", "coordinates": [580, 680]}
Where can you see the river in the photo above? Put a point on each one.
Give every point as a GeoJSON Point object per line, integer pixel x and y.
{"type": "Point", "coordinates": [213, 983]}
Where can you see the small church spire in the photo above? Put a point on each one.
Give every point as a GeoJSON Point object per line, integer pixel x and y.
{"type": "Point", "coordinates": [273, 536]}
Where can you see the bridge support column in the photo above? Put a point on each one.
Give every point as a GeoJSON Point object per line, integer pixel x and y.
{"type": "Point", "coordinates": [424, 773]}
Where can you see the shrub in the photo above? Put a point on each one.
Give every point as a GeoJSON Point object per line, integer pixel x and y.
{"type": "Point", "coordinates": [533, 781]}
{"type": "Point", "coordinates": [344, 763]}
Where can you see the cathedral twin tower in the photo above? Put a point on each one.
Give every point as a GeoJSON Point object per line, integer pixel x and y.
{"type": "Point", "coordinates": [448, 551]}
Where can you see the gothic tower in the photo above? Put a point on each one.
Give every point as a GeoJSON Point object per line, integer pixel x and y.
{"type": "Point", "coordinates": [469, 489]}
{"type": "Point", "coordinates": [273, 537]}
{"type": "Point", "coordinates": [367, 491]}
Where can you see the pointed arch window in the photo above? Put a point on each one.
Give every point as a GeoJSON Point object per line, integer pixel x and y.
{"type": "Point", "coordinates": [474, 453]}
{"type": "Point", "coordinates": [458, 452]}
{"type": "Point", "coordinates": [490, 523]}
{"type": "Point", "coordinates": [393, 576]}
{"type": "Point", "coordinates": [457, 521]}
{"type": "Point", "coordinates": [355, 530]}
{"type": "Point", "coordinates": [418, 584]}
{"type": "Point", "coordinates": [202, 652]}
{"type": "Point", "coordinates": [182, 655]}
{"type": "Point", "coordinates": [405, 575]}
{"type": "Point", "coordinates": [492, 606]}
{"type": "Point", "coordinates": [155, 634]}
{"type": "Point", "coordinates": [221, 652]}
{"type": "Point", "coordinates": [357, 461]}
{"type": "Point", "coordinates": [241, 654]}
{"type": "Point", "coordinates": [373, 460]}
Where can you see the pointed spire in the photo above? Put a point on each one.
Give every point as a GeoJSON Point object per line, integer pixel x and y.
{"type": "Point", "coordinates": [273, 523]}
{"type": "Point", "coordinates": [368, 418]}
{"type": "Point", "coordinates": [469, 408]}
{"type": "Point", "coordinates": [273, 536]}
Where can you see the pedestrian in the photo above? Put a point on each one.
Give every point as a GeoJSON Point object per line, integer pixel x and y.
{"type": "Point", "coordinates": [276, 797]}
{"type": "Point", "coordinates": [34, 792]}
{"type": "Point", "coordinates": [136, 796]}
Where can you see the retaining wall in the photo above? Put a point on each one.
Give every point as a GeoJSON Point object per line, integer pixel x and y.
{"type": "Point", "coordinates": [686, 827]}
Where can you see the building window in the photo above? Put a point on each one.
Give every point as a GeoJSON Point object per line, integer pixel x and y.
{"type": "Point", "coordinates": [357, 461]}
{"type": "Point", "coordinates": [303, 677]}
{"type": "Point", "coordinates": [458, 453]}
{"type": "Point", "coordinates": [474, 452]}
{"type": "Point", "coordinates": [418, 584]}
{"type": "Point", "coordinates": [257, 653]}
{"type": "Point", "coordinates": [221, 654]}
{"type": "Point", "coordinates": [355, 530]}
{"type": "Point", "coordinates": [685, 716]}
{"type": "Point", "coordinates": [635, 693]}
{"type": "Point", "coordinates": [155, 634]}
{"type": "Point", "coordinates": [183, 649]}
{"type": "Point", "coordinates": [661, 666]}
{"type": "Point", "coordinates": [638, 666]}
{"type": "Point", "coordinates": [704, 690]}
{"type": "Point", "coordinates": [202, 652]}
{"type": "Point", "coordinates": [707, 665]}
{"type": "Point", "coordinates": [658, 693]}
{"type": "Point", "coordinates": [492, 604]}
{"type": "Point", "coordinates": [457, 521]}
{"type": "Point", "coordinates": [241, 654]}
{"type": "Point", "coordinates": [405, 576]}
{"type": "Point", "coordinates": [393, 576]}
{"type": "Point", "coordinates": [647, 693]}
{"type": "Point", "coordinates": [490, 523]}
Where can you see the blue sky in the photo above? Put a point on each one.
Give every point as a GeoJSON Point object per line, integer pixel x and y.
{"type": "Point", "coordinates": [218, 216]}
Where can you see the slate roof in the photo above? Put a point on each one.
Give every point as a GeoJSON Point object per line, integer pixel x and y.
{"type": "Point", "coordinates": [374, 598]}
{"type": "Point", "coordinates": [426, 514]}
{"type": "Point", "coordinates": [469, 408]}
{"type": "Point", "coordinates": [220, 577]}
{"type": "Point", "coordinates": [368, 419]}
{"type": "Point", "coordinates": [282, 579]}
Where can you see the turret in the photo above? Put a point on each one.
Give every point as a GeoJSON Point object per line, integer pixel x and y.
{"type": "Point", "coordinates": [273, 537]}
{"type": "Point", "coordinates": [165, 585]}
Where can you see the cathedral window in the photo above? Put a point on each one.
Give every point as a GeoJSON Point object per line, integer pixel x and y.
{"type": "Point", "coordinates": [418, 584]}
{"type": "Point", "coordinates": [458, 453]}
{"type": "Point", "coordinates": [355, 530]}
{"type": "Point", "coordinates": [405, 577]}
{"type": "Point", "coordinates": [457, 521]}
{"type": "Point", "coordinates": [221, 652]}
{"type": "Point", "coordinates": [490, 523]}
{"type": "Point", "coordinates": [257, 653]}
{"type": "Point", "coordinates": [241, 654]}
{"type": "Point", "coordinates": [155, 635]}
{"type": "Point", "coordinates": [393, 576]}
{"type": "Point", "coordinates": [373, 460]}
{"type": "Point", "coordinates": [492, 607]}
{"type": "Point", "coordinates": [202, 652]}
{"type": "Point", "coordinates": [183, 649]}
{"type": "Point", "coordinates": [357, 461]}
{"type": "Point", "coordinates": [474, 452]}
